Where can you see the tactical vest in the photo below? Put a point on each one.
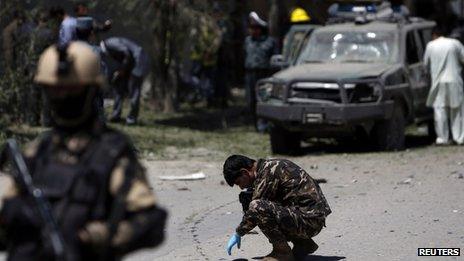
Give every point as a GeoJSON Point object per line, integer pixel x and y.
{"type": "Point", "coordinates": [78, 193]}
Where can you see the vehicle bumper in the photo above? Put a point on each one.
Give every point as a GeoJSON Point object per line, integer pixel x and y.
{"type": "Point", "coordinates": [325, 114]}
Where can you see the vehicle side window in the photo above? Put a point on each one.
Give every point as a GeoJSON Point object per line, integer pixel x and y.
{"type": "Point", "coordinates": [411, 49]}
{"type": "Point", "coordinates": [303, 44]}
{"type": "Point", "coordinates": [298, 38]}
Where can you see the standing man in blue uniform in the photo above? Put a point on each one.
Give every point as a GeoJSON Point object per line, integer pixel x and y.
{"type": "Point", "coordinates": [259, 47]}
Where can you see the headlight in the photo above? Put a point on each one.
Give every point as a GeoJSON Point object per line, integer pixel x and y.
{"type": "Point", "coordinates": [278, 91]}
{"type": "Point", "coordinates": [264, 92]}
{"type": "Point", "coordinates": [267, 91]}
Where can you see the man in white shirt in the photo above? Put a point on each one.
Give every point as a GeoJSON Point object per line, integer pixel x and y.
{"type": "Point", "coordinates": [444, 58]}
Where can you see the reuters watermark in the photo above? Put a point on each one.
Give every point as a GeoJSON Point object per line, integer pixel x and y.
{"type": "Point", "coordinates": [439, 252]}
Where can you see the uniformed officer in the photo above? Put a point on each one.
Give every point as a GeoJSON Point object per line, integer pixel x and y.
{"type": "Point", "coordinates": [287, 205]}
{"type": "Point", "coordinates": [259, 47]}
{"type": "Point", "coordinates": [133, 66]}
{"type": "Point", "coordinates": [204, 56]}
{"type": "Point", "coordinates": [89, 173]}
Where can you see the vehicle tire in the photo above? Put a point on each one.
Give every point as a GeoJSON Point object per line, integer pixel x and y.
{"type": "Point", "coordinates": [389, 135]}
{"type": "Point", "coordinates": [284, 142]}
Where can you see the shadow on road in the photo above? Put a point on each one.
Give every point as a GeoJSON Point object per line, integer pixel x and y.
{"type": "Point", "coordinates": [209, 119]}
{"type": "Point", "coordinates": [324, 146]}
{"type": "Point", "coordinates": [323, 258]}
{"type": "Point", "coordinates": [308, 258]}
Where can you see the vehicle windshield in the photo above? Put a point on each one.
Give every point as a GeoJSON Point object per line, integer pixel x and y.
{"type": "Point", "coordinates": [350, 47]}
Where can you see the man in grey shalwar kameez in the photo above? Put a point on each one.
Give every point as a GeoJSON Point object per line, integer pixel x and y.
{"type": "Point", "coordinates": [133, 65]}
{"type": "Point", "coordinates": [444, 58]}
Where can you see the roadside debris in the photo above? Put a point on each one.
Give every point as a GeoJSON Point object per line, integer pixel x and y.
{"type": "Point", "coordinates": [405, 182]}
{"type": "Point", "coordinates": [457, 175]}
{"type": "Point", "coordinates": [194, 176]}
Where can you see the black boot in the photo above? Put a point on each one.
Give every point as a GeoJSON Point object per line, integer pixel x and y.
{"type": "Point", "coordinates": [303, 247]}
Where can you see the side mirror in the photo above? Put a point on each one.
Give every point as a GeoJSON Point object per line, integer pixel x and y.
{"type": "Point", "coordinates": [278, 61]}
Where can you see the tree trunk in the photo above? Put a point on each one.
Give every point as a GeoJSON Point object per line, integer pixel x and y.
{"type": "Point", "coordinates": [277, 20]}
{"type": "Point", "coordinates": [163, 44]}
{"type": "Point", "coordinates": [170, 73]}
{"type": "Point", "coordinates": [274, 19]}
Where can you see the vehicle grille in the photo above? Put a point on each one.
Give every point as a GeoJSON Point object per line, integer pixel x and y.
{"type": "Point", "coordinates": [356, 93]}
{"type": "Point", "coordinates": [316, 91]}
{"type": "Point", "coordinates": [317, 94]}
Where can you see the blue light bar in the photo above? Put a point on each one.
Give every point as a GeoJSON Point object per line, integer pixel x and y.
{"type": "Point", "coordinates": [347, 8]}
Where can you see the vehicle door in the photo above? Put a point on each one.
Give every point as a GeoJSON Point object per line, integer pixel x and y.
{"type": "Point", "coordinates": [418, 75]}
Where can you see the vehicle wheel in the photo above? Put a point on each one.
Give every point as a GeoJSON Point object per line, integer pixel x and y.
{"type": "Point", "coordinates": [284, 142]}
{"type": "Point", "coordinates": [389, 134]}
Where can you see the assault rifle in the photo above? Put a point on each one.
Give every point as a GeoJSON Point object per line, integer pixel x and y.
{"type": "Point", "coordinates": [23, 179]}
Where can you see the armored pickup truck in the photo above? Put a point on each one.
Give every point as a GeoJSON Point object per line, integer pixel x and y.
{"type": "Point", "coordinates": [351, 79]}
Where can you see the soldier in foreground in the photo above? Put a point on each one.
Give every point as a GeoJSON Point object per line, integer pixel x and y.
{"type": "Point", "coordinates": [96, 188]}
{"type": "Point", "coordinates": [287, 205]}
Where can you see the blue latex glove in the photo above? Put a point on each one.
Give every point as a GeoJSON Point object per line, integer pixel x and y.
{"type": "Point", "coordinates": [234, 240]}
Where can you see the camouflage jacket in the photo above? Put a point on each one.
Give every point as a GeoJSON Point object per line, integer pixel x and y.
{"type": "Point", "coordinates": [283, 182]}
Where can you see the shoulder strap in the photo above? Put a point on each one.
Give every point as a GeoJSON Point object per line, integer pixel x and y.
{"type": "Point", "coordinates": [41, 153]}
{"type": "Point", "coordinates": [102, 159]}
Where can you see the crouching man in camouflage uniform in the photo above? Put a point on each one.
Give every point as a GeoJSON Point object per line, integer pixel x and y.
{"type": "Point", "coordinates": [90, 175]}
{"type": "Point", "coordinates": [287, 205]}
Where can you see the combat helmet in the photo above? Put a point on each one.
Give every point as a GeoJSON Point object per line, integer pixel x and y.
{"type": "Point", "coordinates": [71, 76]}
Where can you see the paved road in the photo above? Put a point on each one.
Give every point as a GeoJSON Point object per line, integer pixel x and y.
{"type": "Point", "coordinates": [385, 206]}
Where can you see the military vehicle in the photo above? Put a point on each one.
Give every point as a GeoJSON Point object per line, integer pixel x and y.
{"type": "Point", "coordinates": [360, 78]}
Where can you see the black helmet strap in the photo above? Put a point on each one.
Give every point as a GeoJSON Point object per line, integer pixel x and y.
{"type": "Point", "coordinates": [64, 64]}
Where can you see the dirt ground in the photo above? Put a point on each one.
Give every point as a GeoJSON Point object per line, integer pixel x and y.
{"type": "Point", "coordinates": [385, 206]}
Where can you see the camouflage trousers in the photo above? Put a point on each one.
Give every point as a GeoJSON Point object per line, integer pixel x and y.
{"type": "Point", "coordinates": [282, 224]}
